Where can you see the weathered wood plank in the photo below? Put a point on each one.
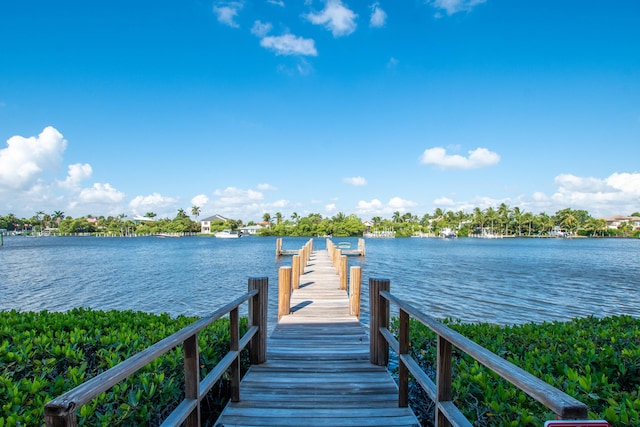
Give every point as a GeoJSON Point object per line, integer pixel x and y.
{"type": "Point", "coordinates": [317, 371]}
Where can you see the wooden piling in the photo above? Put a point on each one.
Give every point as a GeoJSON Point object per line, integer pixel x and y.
{"type": "Point", "coordinates": [342, 271]}
{"type": "Point", "coordinates": [295, 272]}
{"type": "Point", "coordinates": [284, 291]}
{"type": "Point", "coordinates": [355, 278]}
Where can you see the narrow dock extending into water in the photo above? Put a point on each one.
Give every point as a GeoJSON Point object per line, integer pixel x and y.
{"type": "Point", "coordinates": [318, 371]}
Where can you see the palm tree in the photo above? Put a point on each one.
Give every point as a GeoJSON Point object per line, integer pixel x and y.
{"type": "Point", "coordinates": [38, 215]}
{"type": "Point", "coordinates": [397, 217]}
{"type": "Point", "coordinates": [278, 218]}
{"type": "Point", "coordinates": [195, 211]}
{"type": "Point", "coordinates": [57, 217]}
{"type": "Point", "coordinates": [295, 217]}
{"type": "Point", "coordinates": [478, 218]}
{"type": "Point", "coordinates": [491, 215]}
{"type": "Point", "coordinates": [150, 215]}
{"type": "Point", "coordinates": [503, 214]}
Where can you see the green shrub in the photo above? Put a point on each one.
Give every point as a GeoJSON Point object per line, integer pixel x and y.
{"type": "Point", "coordinates": [45, 354]}
{"type": "Point", "coordinates": [597, 361]}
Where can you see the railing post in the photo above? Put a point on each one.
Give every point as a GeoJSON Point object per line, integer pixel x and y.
{"type": "Point", "coordinates": [355, 278]}
{"type": "Point", "coordinates": [192, 377]}
{"type": "Point", "coordinates": [378, 318]}
{"type": "Point", "coordinates": [403, 371]}
{"type": "Point", "coordinates": [60, 417]}
{"type": "Point", "coordinates": [258, 317]}
{"type": "Point", "coordinates": [284, 291]}
{"type": "Point", "coordinates": [234, 324]}
{"type": "Point", "coordinates": [342, 271]}
{"type": "Point", "coordinates": [443, 379]}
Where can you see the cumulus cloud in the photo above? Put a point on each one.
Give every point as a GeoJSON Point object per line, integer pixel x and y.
{"type": "Point", "coordinates": [356, 181]}
{"type": "Point", "coordinates": [260, 28]}
{"type": "Point", "coordinates": [276, 2]}
{"type": "Point", "coordinates": [77, 173]}
{"type": "Point", "coordinates": [103, 194]}
{"type": "Point", "coordinates": [331, 207]}
{"type": "Point", "coordinates": [157, 203]}
{"type": "Point", "coordinates": [373, 205]}
{"type": "Point", "coordinates": [227, 12]}
{"type": "Point", "coordinates": [337, 18]}
{"type": "Point", "coordinates": [454, 6]}
{"type": "Point", "coordinates": [288, 44]}
{"type": "Point", "coordinates": [378, 16]}
{"type": "Point", "coordinates": [25, 160]}
{"type": "Point", "coordinates": [200, 200]}
{"type": "Point", "coordinates": [444, 201]}
{"type": "Point", "coordinates": [478, 158]}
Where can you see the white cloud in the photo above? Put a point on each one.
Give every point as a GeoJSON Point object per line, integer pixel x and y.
{"type": "Point", "coordinates": [266, 187]}
{"type": "Point", "coordinates": [376, 207]}
{"type": "Point", "coordinates": [626, 182]}
{"type": "Point", "coordinates": [25, 160]}
{"type": "Point", "coordinates": [455, 6]}
{"type": "Point", "coordinates": [616, 194]}
{"type": "Point", "coordinates": [373, 205]}
{"type": "Point", "coordinates": [280, 203]}
{"type": "Point", "coordinates": [276, 2]}
{"type": "Point", "coordinates": [331, 207]}
{"type": "Point", "coordinates": [478, 158]}
{"type": "Point", "coordinates": [260, 28]}
{"type": "Point", "coordinates": [236, 196]}
{"type": "Point", "coordinates": [572, 183]}
{"type": "Point", "coordinates": [337, 18]}
{"type": "Point", "coordinates": [288, 44]}
{"type": "Point", "coordinates": [78, 172]}
{"type": "Point", "coordinates": [400, 204]}
{"type": "Point", "coordinates": [227, 12]}
{"type": "Point", "coordinates": [392, 63]}
{"type": "Point", "coordinates": [103, 194]}
{"type": "Point", "coordinates": [443, 201]}
{"type": "Point", "coordinates": [378, 16]}
{"type": "Point", "coordinates": [157, 203]}
{"type": "Point", "coordinates": [200, 200]}
{"type": "Point", "coordinates": [357, 181]}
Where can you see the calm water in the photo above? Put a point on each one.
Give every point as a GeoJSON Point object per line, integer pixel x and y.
{"type": "Point", "coordinates": [502, 281]}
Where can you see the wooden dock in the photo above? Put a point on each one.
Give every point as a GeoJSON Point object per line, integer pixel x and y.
{"type": "Point", "coordinates": [318, 371]}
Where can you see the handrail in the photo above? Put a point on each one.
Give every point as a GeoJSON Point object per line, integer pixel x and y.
{"type": "Point", "coordinates": [563, 405]}
{"type": "Point", "coordinates": [61, 411]}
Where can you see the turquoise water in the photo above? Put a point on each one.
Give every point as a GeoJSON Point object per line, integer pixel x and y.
{"type": "Point", "coordinates": [501, 281]}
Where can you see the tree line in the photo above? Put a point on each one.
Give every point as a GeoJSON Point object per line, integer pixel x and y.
{"type": "Point", "coordinates": [501, 220]}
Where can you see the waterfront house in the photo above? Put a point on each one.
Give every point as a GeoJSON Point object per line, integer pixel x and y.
{"type": "Point", "coordinates": [205, 223]}
{"type": "Point", "coordinates": [613, 222]}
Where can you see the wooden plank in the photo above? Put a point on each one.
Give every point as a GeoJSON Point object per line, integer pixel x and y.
{"type": "Point", "coordinates": [317, 371]}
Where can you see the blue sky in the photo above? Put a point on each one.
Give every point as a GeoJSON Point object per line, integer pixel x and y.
{"type": "Point", "coordinates": [364, 107]}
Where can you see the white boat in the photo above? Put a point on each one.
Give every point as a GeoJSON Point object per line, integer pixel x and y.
{"type": "Point", "coordinates": [226, 234]}
{"type": "Point", "coordinates": [447, 233]}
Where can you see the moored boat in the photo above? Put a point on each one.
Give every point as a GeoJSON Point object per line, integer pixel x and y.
{"type": "Point", "coordinates": [227, 234]}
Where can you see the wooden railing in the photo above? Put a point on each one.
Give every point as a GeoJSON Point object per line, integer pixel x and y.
{"type": "Point", "coordinates": [447, 414]}
{"type": "Point", "coordinates": [61, 412]}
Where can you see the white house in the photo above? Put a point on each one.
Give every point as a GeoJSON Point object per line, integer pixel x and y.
{"type": "Point", "coordinates": [205, 223]}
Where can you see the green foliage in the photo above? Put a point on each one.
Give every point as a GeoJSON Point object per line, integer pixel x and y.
{"type": "Point", "coordinates": [43, 355]}
{"type": "Point", "coordinates": [597, 361]}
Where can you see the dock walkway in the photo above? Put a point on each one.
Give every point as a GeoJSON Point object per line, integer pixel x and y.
{"type": "Point", "coordinates": [318, 371]}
